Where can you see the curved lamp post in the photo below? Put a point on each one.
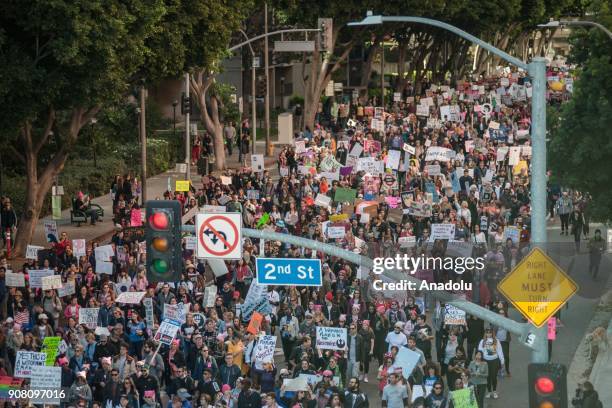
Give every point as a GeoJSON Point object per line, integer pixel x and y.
{"type": "Point", "coordinates": [537, 72]}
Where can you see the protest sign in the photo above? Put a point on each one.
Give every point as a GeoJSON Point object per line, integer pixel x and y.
{"type": "Point", "coordinates": [515, 155]}
{"type": "Point", "coordinates": [512, 233]}
{"type": "Point", "coordinates": [89, 317]}
{"type": "Point", "coordinates": [295, 384]}
{"type": "Point", "coordinates": [28, 361]}
{"type": "Point", "coordinates": [177, 312]}
{"type": "Point", "coordinates": [36, 276]}
{"type": "Point", "coordinates": [78, 247]}
{"type": "Point", "coordinates": [409, 149]}
{"type": "Point", "coordinates": [130, 297]}
{"type": "Point", "coordinates": [439, 153]}
{"type": "Point", "coordinates": [331, 338]}
{"type": "Point", "coordinates": [191, 243]}
{"type": "Point", "coordinates": [454, 315]}
{"type": "Point", "coordinates": [407, 360]}
{"type": "Point", "coordinates": [210, 294]}
{"type": "Point", "coordinates": [442, 231]}
{"type": "Point", "coordinates": [393, 159]}
{"type": "Point", "coordinates": [264, 351]}
{"type": "Point", "coordinates": [551, 328]}
{"type": "Point", "coordinates": [50, 346]}
{"type": "Point", "coordinates": [433, 169]}
{"type": "Point", "coordinates": [257, 162]}
{"type": "Point", "coordinates": [136, 214]}
{"type": "Point", "coordinates": [104, 253]}
{"type": "Point", "coordinates": [51, 282]}
{"type": "Point", "coordinates": [338, 217]}
{"type": "Point", "coordinates": [255, 323]}
{"type": "Point", "coordinates": [213, 209]}
{"type": "Point", "coordinates": [300, 146]}
{"type": "Point", "coordinates": [46, 379]}
{"type": "Point", "coordinates": [450, 113]}
{"type": "Point", "coordinates": [256, 300]}
{"type": "Point", "coordinates": [330, 175]}
{"type": "Point", "coordinates": [67, 289]}
{"type": "Point", "coordinates": [167, 331]}
{"type": "Point", "coordinates": [322, 200]}
{"type": "Point", "coordinates": [51, 231]}
{"type": "Point", "coordinates": [417, 209]}
{"type": "Point", "coordinates": [335, 232]}
{"type": "Point", "coordinates": [32, 251]}
{"type": "Point", "coordinates": [356, 150]}
{"type": "Point", "coordinates": [104, 267]}
{"type": "Point", "coordinates": [253, 194]}
{"type": "Point", "coordinates": [464, 398]}
{"type": "Point", "coordinates": [345, 195]}
{"type": "Point", "coordinates": [15, 280]}
{"type": "Point", "coordinates": [148, 305]}
{"type": "Point", "coordinates": [422, 110]}
{"type": "Point", "coordinates": [406, 242]}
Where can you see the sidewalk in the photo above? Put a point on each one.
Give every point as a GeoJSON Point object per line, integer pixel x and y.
{"type": "Point", "coordinates": [156, 186]}
{"type": "Point", "coordinates": [602, 369]}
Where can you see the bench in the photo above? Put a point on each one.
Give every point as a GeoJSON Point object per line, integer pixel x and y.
{"type": "Point", "coordinates": [78, 216]}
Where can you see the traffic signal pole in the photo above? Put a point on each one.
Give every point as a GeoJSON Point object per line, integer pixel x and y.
{"type": "Point", "coordinates": [187, 132]}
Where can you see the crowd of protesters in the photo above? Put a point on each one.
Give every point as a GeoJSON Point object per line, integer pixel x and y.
{"type": "Point", "coordinates": [478, 181]}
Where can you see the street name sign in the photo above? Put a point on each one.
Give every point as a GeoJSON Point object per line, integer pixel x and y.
{"type": "Point", "coordinates": [537, 287]}
{"type": "Point", "coordinates": [289, 272]}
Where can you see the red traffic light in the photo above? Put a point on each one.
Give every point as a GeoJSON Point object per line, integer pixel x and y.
{"type": "Point", "coordinates": [545, 385]}
{"type": "Point", "coordinates": [159, 221]}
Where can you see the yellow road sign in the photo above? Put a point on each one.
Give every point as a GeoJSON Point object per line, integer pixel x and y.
{"type": "Point", "coordinates": [537, 287]}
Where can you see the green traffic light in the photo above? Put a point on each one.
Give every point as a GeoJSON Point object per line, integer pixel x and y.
{"type": "Point", "coordinates": [160, 266]}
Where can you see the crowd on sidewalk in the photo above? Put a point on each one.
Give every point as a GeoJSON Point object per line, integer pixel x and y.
{"type": "Point", "coordinates": [442, 174]}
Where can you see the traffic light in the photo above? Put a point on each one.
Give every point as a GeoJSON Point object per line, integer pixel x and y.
{"type": "Point", "coordinates": [163, 237]}
{"type": "Point", "coordinates": [326, 34]}
{"type": "Point", "coordinates": [185, 105]}
{"type": "Point", "coordinates": [547, 385]}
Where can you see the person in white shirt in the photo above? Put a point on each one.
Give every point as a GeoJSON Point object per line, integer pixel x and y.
{"type": "Point", "coordinates": [494, 356]}
{"type": "Point", "coordinates": [396, 337]}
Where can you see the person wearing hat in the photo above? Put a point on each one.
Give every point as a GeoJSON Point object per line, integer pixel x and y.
{"type": "Point", "coordinates": [330, 309]}
{"type": "Point", "coordinates": [325, 388]}
{"type": "Point", "coordinates": [80, 390]}
{"type": "Point", "coordinates": [43, 328]}
{"type": "Point", "coordinates": [208, 385]}
{"type": "Point", "coordinates": [396, 337]}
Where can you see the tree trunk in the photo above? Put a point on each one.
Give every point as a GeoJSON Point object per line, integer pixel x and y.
{"type": "Point", "coordinates": [366, 71]}
{"type": "Point", "coordinates": [39, 185]}
{"type": "Point", "coordinates": [200, 84]}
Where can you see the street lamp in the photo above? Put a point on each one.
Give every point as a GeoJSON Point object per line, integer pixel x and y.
{"type": "Point", "coordinates": [174, 104]}
{"type": "Point", "coordinates": [537, 71]}
{"type": "Point", "coordinates": [565, 23]}
{"type": "Point", "coordinates": [93, 140]}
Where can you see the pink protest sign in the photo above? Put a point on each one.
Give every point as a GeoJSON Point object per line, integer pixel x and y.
{"type": "Point", "coordinates": [552, 328]}
{"type": "Point", "coordinates": [135, 218]}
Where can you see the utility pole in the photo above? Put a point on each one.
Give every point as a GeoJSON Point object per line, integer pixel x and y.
{"type": "Point", "coordinates": [382, 73]}
{"type": "Point", "coordinates": [143, 145]}
{"type": "Point", "coordinates": [267, 101]}
{"type": "Point", "coordinates": [187, 134]}
{"type": "Point", "coordinates": [253, 103]}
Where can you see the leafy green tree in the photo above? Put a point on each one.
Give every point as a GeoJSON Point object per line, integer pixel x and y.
{"type": "Point", "coordinates": [581, 144]}
{"type": "Point", "coordinates": [61, 61]}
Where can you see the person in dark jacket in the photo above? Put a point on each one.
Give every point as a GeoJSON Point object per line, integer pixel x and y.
{"type": "Point", "coordinates": [208, 385]}
{"type": "Point", "coordinates": [354, 351]}
{"type": "Point", "coordinates": [229, 372]}
{"type": "Point", "coordinates": [353, 398]}
{"type": "Point", "coordinates": [587, 397]}
{"type": "Point", "coordinates": [146, 382]}
{"type": "Point", "coordinates": [247, 397]}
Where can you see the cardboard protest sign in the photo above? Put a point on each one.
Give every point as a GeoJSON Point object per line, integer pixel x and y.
{"type": "Point", "coordinates": [433, 169]}
{"type": "Point", "coordinates": [104, 253]}
{"type": "Point", "coordinates": [393, 159]}
{"type": "Point", "coordinates": [256, 300]}
{"type": "Point", "coordinates": [338, 217]}
{"type": "Point", "coordinates": [464, 398]}
{"type": "Point", "coordinates": [47, 379]}
{"type": "Point", "coordinates": [167, 331]}
{"type": "Point", "coordinates": [191, 243]}
{"type": "Point", "coordinates": [356, 150]}
{"type": "Point", "coordinates": [407, 360]}
{"type": "Point", "coordinates": [454, 315]}
{"type": "Point", "coordinates": [264, 350]}
{"type": "Point", "coordinates": [89, 317]}
{"type": "Point", "coordinates": [28, 361]}
{"type": "Point", "coordinates": [15, 280]}
{"type": "Point", "coordinates": [210, 294]}
{"type": "Point", "coordinates": [322, 200]}
{"type": "Point", "coordinates": [51, 231]}
{"type": "Point", "coordinates": [50, 346]}
{"type": "Point", "coordinates": [335, 232]}
{"type": "Point", "coordinates": [257, 163]}
{"type": "Point", "coordinates": [130, 297]}
{"type": "Point", "coordinates": [406, 242]}
{"type": "Point", "coordinates": [67, 289]}
{"type": "Point", "coordinates": [515, 155]}
{"type": "Point", "coordinates": [345, 195]}
{"type": "Point", "coordinates": [442, 231]}
{"type": "Point", "coordinates": [255, 323]}
{"type": "Point", "coordinates": [148, 305]}
{"type": "Point", "coordinates": [32, 251]}
{"type": "Point", "coordinates": [295, 384]}
{"type": "Point", "coordinates": [78, 247]}
{"type": "Point", "coordinates": [409, 149]}
{"type": "Point", "coordinates": [51, 282]}
{"type": "Point", "coordinates": [36, 276]}
{"type": "Point", "coordinates": [512, 233]}
{"type": "Point", "coordinates": [439, 153]}
{"type": "Point", "coordinates": [331, 338]}
{"type": "Point", "coordinates": [422, 110]}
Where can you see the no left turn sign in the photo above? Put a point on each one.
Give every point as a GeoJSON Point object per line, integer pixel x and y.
{"type": "Point", "coordinates": [219, 235]}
